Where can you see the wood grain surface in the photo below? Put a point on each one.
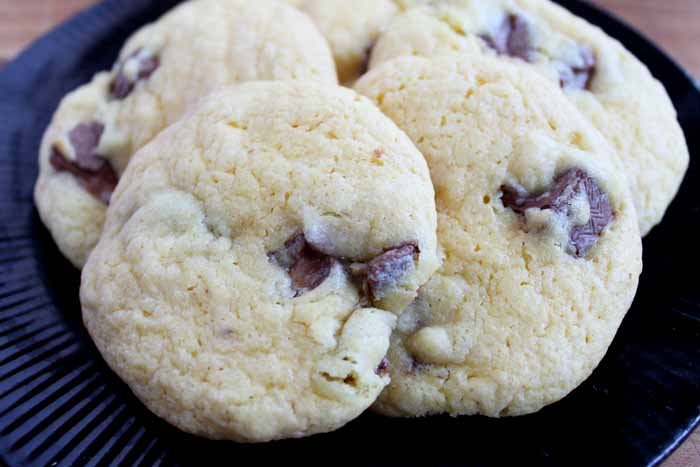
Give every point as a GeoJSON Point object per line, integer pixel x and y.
{"type": "Point", "coordinates": [674, 24]}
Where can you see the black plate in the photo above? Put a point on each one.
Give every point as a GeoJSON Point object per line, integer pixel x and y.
{"type": "Point", "coordinates": [60, 404]}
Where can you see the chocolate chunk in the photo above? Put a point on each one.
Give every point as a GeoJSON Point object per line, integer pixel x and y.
{"type": "Point", "coordinates": [559, 197]}
{"type": "Point", "coordinates": [291, 252]}
{"type": "Point", "coordinates": [583, 237]}
{"type": "Point", "coordinates": [93, 172]}
{"type": "Point", "coordinates": [580, 76]}
{"type": "Point", "coordinates": [310, 271]}
{"type": "Point", "coordinates": [383, 368]}
{"type": "Point", "coordinates": [122, 86]}
{"type": "Point", "coordinates": [512, 38]}
{"type": "Point", "coordinates": [85, 138]}
{"type": "Point", "coordinates": [385, 270]}
{"type": "Point", "coordinates": [306, 267]}
{"type": "Point", "coordinates": [147, 66]}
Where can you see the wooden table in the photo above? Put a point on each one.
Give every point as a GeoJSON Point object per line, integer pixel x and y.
{"type": "Point", "coordinates": [675, 24]}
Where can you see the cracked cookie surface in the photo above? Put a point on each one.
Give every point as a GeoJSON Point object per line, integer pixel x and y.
{"type": "Point", "coordinates": [605, 81]}
{"type": "Point", "coordinates": [160, 73]}
{"type": "Point", "coordinates": [223, 289]}
{"type": "Point", "coordinates": [538, 230]}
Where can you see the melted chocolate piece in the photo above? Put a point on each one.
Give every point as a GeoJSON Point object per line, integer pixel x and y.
{"type": "Point", "coordinates": [386, 269]}
{"type": "Point", "coordinates": [512, 38]}
{"type": "Point", "coordinates": [93, 172]}
{"type": "Point", "coordinates": [583, 237]}
{"type": "Point", "coordinates": [579, 77]}
{"type": "Point", "coordinates": [122, 86]}
{"type": "Point", "coordinates": [310, 271]}
{"type": "Point", "coordinates": [383, 368]}
{"type": "Point", "coordinates": [306, 267]}
{"type": "Point", "coordinates": [85, 138]}
{"type": "Point", "coordinates": [293, 249]}
{"type": "Point", "coordinates": [558, 198]}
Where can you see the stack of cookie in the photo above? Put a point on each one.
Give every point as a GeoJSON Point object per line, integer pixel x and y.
{"type": "Point", "coordinates": [266, 254]}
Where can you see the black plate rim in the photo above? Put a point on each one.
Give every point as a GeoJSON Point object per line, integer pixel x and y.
{"type": "Point", "coordinates": [681, 70]}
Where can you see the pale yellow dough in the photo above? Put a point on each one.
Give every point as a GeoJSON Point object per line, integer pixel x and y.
{"type": "Point", "coordinates": [201, 45]}
{"type": "Point", "coordinates": [625, 102]}
{"type": "Point", "coordinates": [183, 299]}
{"type": "Point", "coordinates": [510, 322]}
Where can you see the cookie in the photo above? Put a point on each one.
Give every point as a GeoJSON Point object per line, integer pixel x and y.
{"type": "Point", "coordinates": [249, 255]}
{"type": "Point", "coordinates": [542, 252]}
{"type": "Point", "coordinates": [163, 69]}
{"type": "Point", "coordinates": [604, 80]}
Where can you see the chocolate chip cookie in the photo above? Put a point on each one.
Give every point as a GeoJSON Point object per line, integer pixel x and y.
{"type": "Point", "coordinates": [604, 80]}
{"type": "Point", "coordinates": [250, 255]}
{"type": "Point", "coordinates": [163, 69]}
{"type": "Point", "coordinates": [539, 233]}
